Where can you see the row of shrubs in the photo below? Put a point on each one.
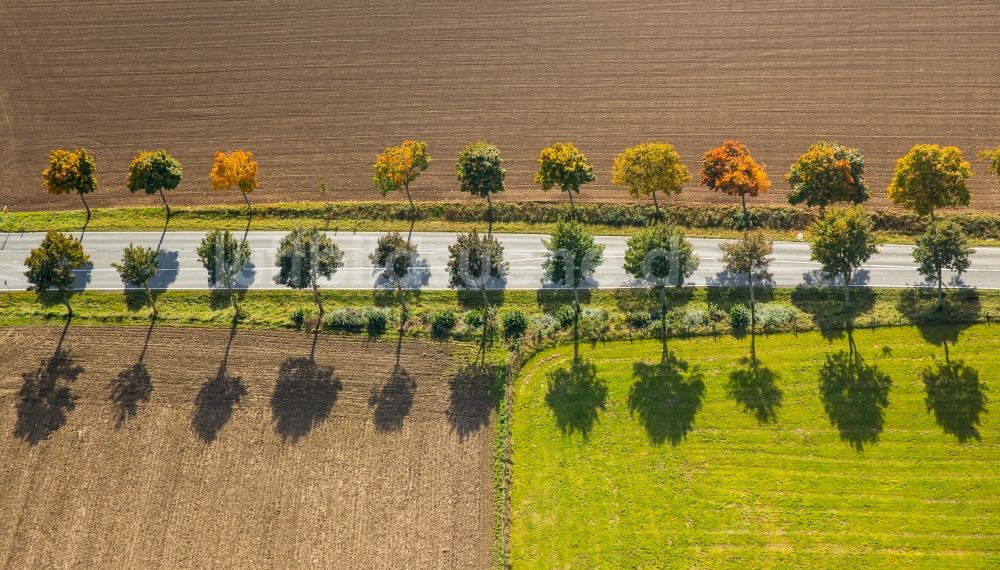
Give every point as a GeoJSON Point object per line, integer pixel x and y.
{"type": "Point", "coordinates": [777, 218]}
{"type": "Point", "coordinates": [594, 322]}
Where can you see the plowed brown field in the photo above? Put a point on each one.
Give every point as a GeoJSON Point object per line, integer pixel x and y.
{"type": "Point", "coordinates": [316, 88]}
{"type": "Point", "coordinates": [167, 459]}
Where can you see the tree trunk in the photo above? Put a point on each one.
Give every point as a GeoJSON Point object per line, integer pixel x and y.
{"type": "Point", "coordinates": [246, 200]}
{"type": "Point", "coordinates": [657, 206]}
{"type": "Point", "coordinates": [940, 293]}
{"type": "Point", "coordinates": [413, 208]}
{"type": "Point", "coordinates": [150, 299]}
{"type": "Point", "coordinates": [69, 309]}
{"type": "Point", "coordinates": [85, 205]}
{"type": "Point", "coordinates": [571, 205]}
{"type": "Point", "coordinates": [847, 288]}
{"type": "Point", "coordinates": [753, 303]}
{"type": "Point", "coordinates": [489, 215]}
{"type": "Point", "coordinates": [167, 206]}
{"type": "Point", "coordinates": [318, 299]}
{"type": "Point", "coordinates": [663, 324]}
{"type": "Point", "coordinates": [746, 216]}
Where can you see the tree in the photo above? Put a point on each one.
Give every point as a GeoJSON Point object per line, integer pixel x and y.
{"type": "Point", "coordinates": [563, 165]}
{"type": "Point", "coordinates": [473, 260]}
{"type": "Point", "coordinates": [942, 246]}
{"type": "Point", "coordinates": [480, 171]}
{"type": "Point", "coordinates": [305, 255]}
{"type": "Point", "coordinates": [394, 255]}
{"type": "Point", "coordinates": [139, 265]}
{"type": "Point", "coordinates": [153, 172]}
{"type": "Point", "coordinates": [930, 177]}
{"type": "Point", "coordinates": [661, 256]}
{"type": "Point", "coordinates": [71, 171]}
{"type": "Point", "coordinates": [729, 168]}
{"type": "Point", "coordinates": [993, 156]}
{"type": "Point", "coordinates": [750, 256]}
{"type": "Point", "coordinates": [828, 173]}
{"type": "Point", "coordinates": [52, 263]}
{"type": "Point", "coordinates": [224, 258]}
{"type": "Point", "coordinates": [648, 167]}
{"type": "Point", "coordinates": [398, 166]}
{"type": "Point", "coordinates": [572, 256]}
{"type": "Point", "coordinates": [237, 169]}
{"type": "Point", "coordinates": [843, 241]}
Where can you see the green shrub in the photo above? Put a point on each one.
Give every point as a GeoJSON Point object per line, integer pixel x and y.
{"type": "Point", "coordinates": [638, 319]}
{"type": "Point", "coordinates": [593, 323]}
{"type": "Point", "coordinates": [442, 322]}
{"type": "Point", "coordinates": [739, 316]}
{"type": "Point", "coordinates": [298, 318]}
{"type": "Point", "coordinates": [566, 315]}
{"type": "Point", "coordinates": [773, 315]}
{"type": "Point", "coordinates": [515, 323]}
{"type": "Point", "coordinates": [544, 325]}
{"type": "Point", "coordinates": [373, 320]}
{"type": "Point", "coordinates": [694, 318]}
{"type": "Point", "coordinates": [377, 320]}
{"type": "Point", "coordinates": [474, 318]}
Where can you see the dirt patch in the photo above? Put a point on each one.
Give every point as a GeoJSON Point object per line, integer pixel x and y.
{"type": "Point", "coordinates": [177, 455]}
{"type": "Point", "coordinates": [318, 88]}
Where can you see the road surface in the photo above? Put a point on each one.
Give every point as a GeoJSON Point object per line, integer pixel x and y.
{"type": "Point", "coordinates": [180, 269]}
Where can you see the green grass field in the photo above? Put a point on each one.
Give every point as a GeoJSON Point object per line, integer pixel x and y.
{"type": "Point", "coordinates": [820, 455]}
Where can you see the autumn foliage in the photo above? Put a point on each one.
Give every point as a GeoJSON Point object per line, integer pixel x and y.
{"type": "Point", "coordinates": [730, 169]}
{"type": "Point", "coordinates": [563, 165]}
{"type": "Point", "coordinates": [828, 173]}
{"type": "Point", "coordinates": [930, 177]}
{"type": "Point", "coordinates": [993, 156]}
{"type": "Point", "coordinates": [70, 171]}
{"type": "Point", "coordinates": [645, 168]}
{"type": "Point", "coordinates": [236, 169]}
{"type": "Point", "coordinates": [397, 166]}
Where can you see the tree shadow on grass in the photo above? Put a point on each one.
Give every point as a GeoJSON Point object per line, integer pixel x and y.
{"type": "Point", "coordinates": [753, 387]}
{"type": "Point", "coordinates": [855, 395]}
{"type": "Point", "coordinates": [576, 397]}
{"type": "Point", "coordinates": [956, 397]}
{"type": "Point", "coordinates": [939, 325]}
{"type": "Point", "coordinates": [303, 397]}
{"type": "Point", "coordinates": [132, 386]}
{"type": "Point", "coordinates": [476, 391]}
{"type": "Point", "coordinates": [666, 396]}
{"type": "Point", "coordinates": [45, 397]}
{"type": "Point", "coordinates": [168, 269]}
{"type": "Point", "coordinates": [825, 306]}
{"type": "Point", "coordinates": [214, 404]}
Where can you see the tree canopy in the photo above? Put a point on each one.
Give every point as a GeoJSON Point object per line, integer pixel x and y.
{"type": "Point", "coordinates": [71, 171]}
{"type": "Point", "coordinates": [645, 168]}
{"type": "Point", "coordinates": [398, 166]}
{"type": "Point", "coordinates": [749, 256]}
{"type": "Point", "coordinates": [153, 172]}
{"type": "Point", "coordinates": [572, 254]}
{"type": "Point", "coordinates": [993, 156]}
{"type": "Point", "coordinates": [304, 255]}
{"type": "Point", "coordinates": [393, 255]}
{"type": "Point", "coordinates": [223, 257]}
{"type": "Point", "coordinates": [139, 264]}
{"type": "Point", "coordinates": [474, 260]}
{"type": "Point", "coordinates": [941, 247]}
{"type": "Point", "coordinates": [661, 256]}
{"type": "Point", "coordinates": [51, 264]}
{"type": "Point", "coordinates": [480, 170]}
{"type": "Point", "coordinates": [236, 169]}
{"type": "Point", "coordinates": [730, 169]}
{"type": "Point", "coordinates": [842, 242]}
{"type": "Point", "coordinates": [930, 177]}
{"type": "Point", "coordinates": [828, 173]}
{"type": "Point", "coordinates": [563, 165]}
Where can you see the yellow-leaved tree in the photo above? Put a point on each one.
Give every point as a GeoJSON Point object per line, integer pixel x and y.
{"type": "Point", "coordinates": [71, 171]}
{"type": "Point", "coordinates": [397, 166]}
{"type": "Point", "coordinates": [236, 169]}
{"type": "Point", "coordinates": [648, 167]}
{"type": "Point", "coordinates": [563, 165]}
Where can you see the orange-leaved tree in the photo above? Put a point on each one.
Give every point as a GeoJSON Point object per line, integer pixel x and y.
{"type": "Point", "coordinates": [71, 171]}
{"type": "Point", "coordinates": [730, 169]}
{"type": "Point", "coordinates": [563, 165]}
{"type": "Point", "coordinates": [397, 166]}
{"type": "Point", "coordinates": [236, 169]}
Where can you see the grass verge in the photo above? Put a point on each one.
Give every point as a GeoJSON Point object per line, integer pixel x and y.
{"type": "Point", "coordinates": [867, 450]}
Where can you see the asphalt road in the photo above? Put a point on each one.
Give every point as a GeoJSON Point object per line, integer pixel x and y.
{"type": "Point", "coordinates": [180, 268]}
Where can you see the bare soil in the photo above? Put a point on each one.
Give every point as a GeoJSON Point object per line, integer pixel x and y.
{"type": "Point", "coordinates": [317, 88]}
{"type": "Point", "coordinates": [176, 456]}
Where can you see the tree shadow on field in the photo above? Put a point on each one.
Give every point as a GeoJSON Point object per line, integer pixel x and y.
{"type": "Point", "coordinates": [303, 397]}
{"type": "Point", "coordinates": [392, 401]}
{"type": "Point", "coordinates": [753, 387]}
{"type": "Point", "coordinates": [855, 395]}
{"type": "Point", "coordinates": [666, 396]}
{"type": "Point", "coordinates": [132, 386]}
{"type": "Point", "coordinates": [962, 309]}
{"type": "Point", "coordinates": [214, 404]}
{"type": "Point", "coordinates": [576, 396]}
{"type": "Point", "coordinates": [45, 397]}
{"type": "Point", "coordinates": [956, 396]}
{"type": "Point", "coordinates": [825, 306]}
{"type": "Point", "coordinates": [476, 391]}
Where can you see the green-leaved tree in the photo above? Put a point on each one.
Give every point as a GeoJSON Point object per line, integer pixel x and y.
{"type": "Point", "coordinates": [480, 171]}
{"type": "Point", "coordinates": [393, 258]}
{"type": "Point", "coordinates": [941, 247]}
{"type": "Point", "coordinates": [139, 265]}
{"type": "Point", "coordinates": [474, 261]}
{"type": "Point", "coordinates": [842, 242]}
{"type": "Point", "coordinates": [304, 256]}
{"type": "Point", "coordinates": [572, 256]}
{"type": "Point", "coordinates": [52, 263]}
{"type": "Point", "coordinates": [224, 257]}
{"type": "Point", "coordinates": [153, 172]}
{"type": "Point", "coordinates": [750, 257]}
